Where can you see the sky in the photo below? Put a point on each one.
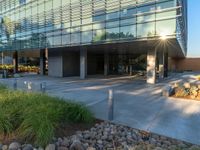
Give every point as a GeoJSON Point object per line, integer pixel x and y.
{"type": "Point", "coordinates": [194, 28]}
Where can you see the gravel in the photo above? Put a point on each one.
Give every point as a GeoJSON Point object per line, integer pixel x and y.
{"type": "Point", "coordinates": [112, 137]}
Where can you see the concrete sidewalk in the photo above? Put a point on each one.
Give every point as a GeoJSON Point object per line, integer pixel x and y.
{"type": "Point", "coordinates": [136, 104]}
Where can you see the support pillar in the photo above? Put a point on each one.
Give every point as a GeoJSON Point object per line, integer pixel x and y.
{"type": "Point", "coordinates": [15, 62]}
{"type": "Point", "coordinates": [83, 63]}
{"type": "Point", "coordinates": [42, 62]}
{"type": "Point", "coordinates": [161, 64]}
{"type": "Point", "coordinates": [2, 58]}
{"type": "Point", "coordinates": [151, 66]}
{"type": "Point", "coordinates": [131, 70]}
{"type": "Point", "coordinates": [165, 64]}
{"type": "Point", "coordinates": [106, 64]}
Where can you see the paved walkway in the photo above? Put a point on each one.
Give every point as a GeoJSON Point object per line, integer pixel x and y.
{"type": "Point", "coordinates": [136, 104]}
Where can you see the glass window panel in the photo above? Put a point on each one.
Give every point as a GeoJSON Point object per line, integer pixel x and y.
{"type": "Point", "coordinates": [112, 15]}
{"type": "Point", "coordinates": [75, 38]}
{"type": "Point", "coordinates": [77, 29]}
{"type": "Point", "coordinates": [86, 37]}
{"type": "Point", "coordinates": [146, 30]}
{"type": "Point", "coordinates": [98, 26]}
{"type": "Point", "coordinates": [128, 21]}
{"type": "Point", "coordinates": [145, 18]}
{"type": "Point", "coordinates": [167, 14]}
{"type": "Point", "coordinates": [112, 33]}
{"type": "Point", "coordinates": [128, 32]}
{"type": "Point", "coordinates": [166, 27]}
{"type": "Point", "coordinates": [87, 20]}
{"type": "Point", "coordinates": [57, 40]}
{"type": "Point", "coordinates": [165, 5]}
{"type": "Point", "coordinates": [99, 17]}
{"type": "Point", "coordinates": [145, 9]}
{"type": "Point", "coordinates": [50, 41]}
{"type": "Point", "coordinates": [128, 12]}
{"type": "Point", "coordinates": [99, 35]}
{"type": "Point", "coordinates": [112, 24]}
{"type": "Point", "coordinates": [66, 39]}
{"type": "Point", "coordinates": [87, 27]}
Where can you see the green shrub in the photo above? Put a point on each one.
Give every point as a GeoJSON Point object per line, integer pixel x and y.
{"type": "Point", "coordinates": [33, 117]}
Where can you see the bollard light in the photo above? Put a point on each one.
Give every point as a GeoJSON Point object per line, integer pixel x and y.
{"type": "Point", "coordinates": [110, 105]}
{"type": "Point", "coordinates": [29, 86]}
{"type": "Point", "coordinates": [15, 84]}
{"type": "Point", "coordinates": [43, 87]}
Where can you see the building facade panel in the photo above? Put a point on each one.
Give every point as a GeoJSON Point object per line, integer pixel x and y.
{"type": "Point", "coordinates": [36, 24]}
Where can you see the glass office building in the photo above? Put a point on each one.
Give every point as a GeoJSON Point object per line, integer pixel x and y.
{"type": "Point", "coordinates": [40, 24]}
{"type": "Point", "coordinates": [37, 24]}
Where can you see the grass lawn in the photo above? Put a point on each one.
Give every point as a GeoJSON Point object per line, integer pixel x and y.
{"type": "Point", "coordinates": [37, 118]}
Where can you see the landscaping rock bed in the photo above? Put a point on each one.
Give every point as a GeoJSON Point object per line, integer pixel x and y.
{"type": "Point", "coordinates": [187, 90]}
{"type": "Point", "coordinates": [109, 136]}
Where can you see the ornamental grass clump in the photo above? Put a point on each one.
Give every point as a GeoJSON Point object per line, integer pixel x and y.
{"type": "Point", "coordinates": [33, 117]}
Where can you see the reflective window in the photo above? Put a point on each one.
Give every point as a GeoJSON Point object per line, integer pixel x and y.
{"type": "Point", "coordinates": [128, 12]}
{"type": "Point", "coordinates": [166, 27]}
{"type": "Point", "coordinates": [145, 30]}
{"type": "Point", "coordinates": [145, 18]}
{"type": "Point", "coordinates": [128, 32]}
{"type": "Point", "coordinates": [86, 37]}
{"type": "Point", "coordinates": [164, 15]}
{"type": "Point", "coordinates": [112, 33]}
{"type": "Point", "coordinates": [144, 9]}
{"type": "Point", "coordinates": [128, 21]}
{"type": "Point", "coordinates": [75, 38]}
{"type": "Point", "coordinates": [53, 23]}
{"type": "Point", "coordinates": [99, 35]}
{"type": "Point", "coordinates": [65, 39]}
{"type": "Point", "coordinates": [164, 5]}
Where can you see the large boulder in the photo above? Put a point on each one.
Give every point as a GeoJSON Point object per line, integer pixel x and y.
{"type": "Point", "coordinates": [168, 91]}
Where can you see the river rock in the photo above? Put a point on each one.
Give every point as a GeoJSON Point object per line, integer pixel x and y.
{"type": "Point", "coordinates": [27, 147]}
{"type": "Point", "coordinates": [77, 145]}
{"type": "Point", "coordinates": [50, 147]}
{"type": "Point", "coordinates": [14, 146]}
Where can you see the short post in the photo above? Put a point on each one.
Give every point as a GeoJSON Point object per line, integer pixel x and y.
{"type": "Point", "coordinates": [29, 86]}
{"type": "Point", "coordinates": [43, 87]}
{"type": "Point", "coordinates": [5, 73]}
{"type": "Point", "coordinates": [110, 105]}
{"type": "Point", "coordinates": [15, 84]}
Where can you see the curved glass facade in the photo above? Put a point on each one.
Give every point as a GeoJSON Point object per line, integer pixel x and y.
{"type": "Point", "coordinates": [36, 24]}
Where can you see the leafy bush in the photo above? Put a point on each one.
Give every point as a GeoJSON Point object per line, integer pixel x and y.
{"type": "Point", "coordinates": [33, 117]}
{"type": "Point", "coordinates": [21, 68]}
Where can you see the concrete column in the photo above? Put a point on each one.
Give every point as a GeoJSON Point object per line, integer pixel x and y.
{"type": "Point", "coordinates": [161, 64]}
{"type": "Point", "coordinates": [83, 63]}
{"type": "Point", "coordinates": [131, 70]}
{"type": "Point", "coordinates": [106, 64]}
{"type": "Point", "coordinates": [2, 58]}
{"type": "Point", "coordinates": [55, 63]}
{"type": "Point", "coordinates": [151, 66]}
{"type": "Point", "coordinates": [15, 62]}
{"type": "Point", "coordinates": [42, 61]}
{"type": "Point", "coordinates": [165, 64]}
